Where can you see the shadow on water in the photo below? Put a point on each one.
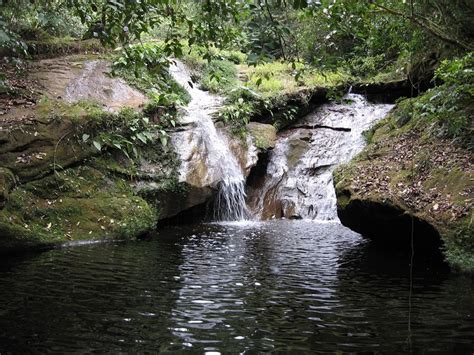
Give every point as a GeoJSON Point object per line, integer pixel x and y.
{"type": "Point", "coordinates": [374, 283]}
{"type": "Point", "coordinates": [106, 296]}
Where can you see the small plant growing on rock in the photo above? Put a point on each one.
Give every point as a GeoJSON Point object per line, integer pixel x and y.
{"type": "Point", "coordinates": [127, 131]}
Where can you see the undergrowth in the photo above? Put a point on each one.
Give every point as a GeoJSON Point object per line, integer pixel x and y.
{"type": "Point", "coordinates": [446, 110]}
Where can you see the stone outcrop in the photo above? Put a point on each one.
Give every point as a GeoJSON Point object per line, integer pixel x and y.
{"type": "Point", "coordinates": [406, 183]}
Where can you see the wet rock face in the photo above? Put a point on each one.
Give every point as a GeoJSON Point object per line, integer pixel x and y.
{"type": "Point", "coordinates": [75, 79]}
{"type": "Point", "coordinates": [298, 181]}
{"type": "Point", "coordinates": [210, 158]}
{"type": "Point", "coordinates": [297, 147]}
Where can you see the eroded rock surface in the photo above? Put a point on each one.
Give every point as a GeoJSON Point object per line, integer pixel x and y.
{"type": "Point", "coordinates": [77, 78]}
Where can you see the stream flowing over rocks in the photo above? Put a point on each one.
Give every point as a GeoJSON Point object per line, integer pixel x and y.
{"type": "Point", "coordinates": [298, 183]}
{"type": "Point", "coordinates": [206, 156]}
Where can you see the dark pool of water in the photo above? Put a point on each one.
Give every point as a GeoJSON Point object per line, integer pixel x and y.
{"type": "Point", "coordinates": [277, 286]}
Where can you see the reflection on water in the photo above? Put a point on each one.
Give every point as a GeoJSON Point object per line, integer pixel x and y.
{"type": "Point", "coordinates": [279, 285]}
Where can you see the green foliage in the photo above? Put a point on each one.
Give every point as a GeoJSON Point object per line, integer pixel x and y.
{"type": "Point", "coordinates": [458, 72]}
{"type": "Point", "coordinates": [459, 250]}
{"type": "Point", "coordinates": [365, 66]}
{"type": "Point", "coordinates": [123, 22]}
{"type": "Point", "coordinates": [444, 111]}
{"type": "Point", "coordinates": [289, 114]}
{"type": "Point", "coordinates": [148, 56]}
{"type": "Point", "coordinates": [145, 68]}
{"type": "Point", "coordinates": [10, 40]}
{"type": "Point", "coordinates": [275, 78]}
{"type": "Point", "coordinates": [237, 115]}
{"type": "Point", "coordinates": [219, 76]}
{"type": "Point", "coordinates": [126, 131]}
{"type": "Point", "coordinates": [233, 56]}
{"type": "Point", "coordinates": [242, 103]}
{"type": "Point", "coordinates": [450, 104]}
{"type": "Point", "coordinates": [22, 21]}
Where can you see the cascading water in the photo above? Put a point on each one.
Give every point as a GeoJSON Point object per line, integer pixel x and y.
{"type": "Point", "coordinates": [205, 153]}
{"type": "Point", "coordinates": [298, 182]}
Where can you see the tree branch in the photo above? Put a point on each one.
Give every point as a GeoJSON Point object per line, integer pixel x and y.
{"type": "Point", "coordinates": [437, 32]}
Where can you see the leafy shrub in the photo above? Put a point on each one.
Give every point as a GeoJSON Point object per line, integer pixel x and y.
{"type": "Point", "coordinates": [126, 131]}
{"type": "Point", "coordinates": [450, 105]}
{"type": "Point", "coordinates": [235, 57]}
{"type": "Point", "coordinates": [145, 68]}
{"type": "Point", "coordinates": [237, 115]}
{"type": "Point", "coordinates": [366, 66]}
{"type": "Point", "coordinates": [458, 72]}
{"type": "Point", "coordinates": [445, 110]}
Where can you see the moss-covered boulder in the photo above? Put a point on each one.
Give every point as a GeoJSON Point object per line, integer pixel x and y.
{"type": "Point", "coordinates": [75, 204]}
{"type": "Point", "coordinates": [7, 183]}
{"type": "Point", "coordinates": [411, 180]}
{"type": "Point", "coordinates": [31, 150]}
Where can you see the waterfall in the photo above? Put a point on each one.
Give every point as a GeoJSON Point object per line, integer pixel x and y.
{"type": "Point", "coordinates": [205, 153]}
{"type": "Point", "coordinates": [298, 182]}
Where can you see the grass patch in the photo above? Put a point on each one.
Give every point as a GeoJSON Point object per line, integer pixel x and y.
{"type": "Point", "coordinates": [276, 78]}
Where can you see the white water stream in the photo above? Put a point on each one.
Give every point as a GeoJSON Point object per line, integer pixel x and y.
{"type": "Point", "coordinates": [205, 154]}
{"type": "Point", "coordinates": [298, 182]}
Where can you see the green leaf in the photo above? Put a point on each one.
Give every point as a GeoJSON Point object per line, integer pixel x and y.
{"type": "Point", "coordinates": [85, 137]}
{"type": "Point", "coordinates": [141, 137]}
{"type": "Point", "coordinates": [97, 145]}
{"type": "Point", "coordinates": [149, 135]}
{"type": "Point", "coordinates": [164, 141]}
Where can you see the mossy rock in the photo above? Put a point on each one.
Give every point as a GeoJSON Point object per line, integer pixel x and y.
{"type": "Point", "coordinates": [7, 182]}
{"type": "Point", "coordinates": [264, 135]}
{"type": "Point", "coordinates": [76, 204]}
{"type": "Point", "coordinates": [52, 141]}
